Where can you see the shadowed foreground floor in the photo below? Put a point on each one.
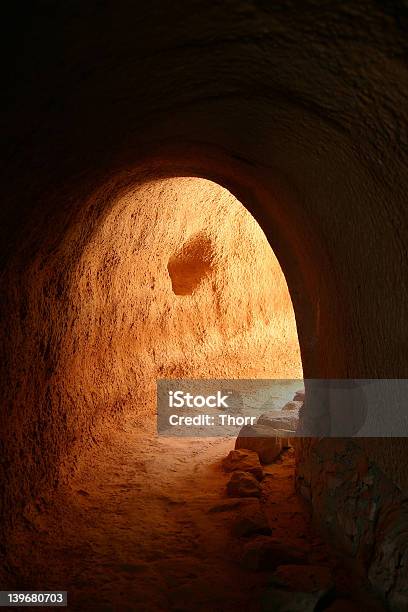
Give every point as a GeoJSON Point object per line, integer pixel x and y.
{"type": "Point", "coordinates": [146, 525]}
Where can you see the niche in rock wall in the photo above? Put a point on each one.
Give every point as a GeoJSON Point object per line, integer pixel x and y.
{"type": "Point", "coordinates": [192, 263]}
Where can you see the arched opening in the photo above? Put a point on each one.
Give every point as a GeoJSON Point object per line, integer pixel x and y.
{"type": "Point", "coordinates": [172, 277]}
{"type": "Point", "coordinates": [176, 280]}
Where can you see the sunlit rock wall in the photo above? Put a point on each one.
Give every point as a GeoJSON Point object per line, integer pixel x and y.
{"type": "Point", "coordinates": [177, 281]}
{"type": "Point", "coordinates": [171, 278]}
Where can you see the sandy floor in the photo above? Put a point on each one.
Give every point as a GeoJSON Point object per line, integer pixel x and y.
{"type": "Point", "coordinates": [137, 530]}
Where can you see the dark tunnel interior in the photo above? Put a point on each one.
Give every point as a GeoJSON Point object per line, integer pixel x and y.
{"type": "Point", "coordinates": [209, 191]}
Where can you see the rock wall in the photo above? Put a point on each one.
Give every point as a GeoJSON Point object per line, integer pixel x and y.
{"type": "Point", "coordinates": [179, 281]}
{"type": "Point", "coordinates": [358, 508]}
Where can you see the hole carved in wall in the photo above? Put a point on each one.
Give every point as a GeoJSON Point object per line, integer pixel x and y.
{"type": "Point", "coordinates": [191, 264]}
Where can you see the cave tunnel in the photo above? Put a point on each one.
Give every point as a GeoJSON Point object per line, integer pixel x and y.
{"type": "Point", "coordinates": [210, 192]}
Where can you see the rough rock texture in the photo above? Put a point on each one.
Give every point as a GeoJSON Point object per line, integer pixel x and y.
{"type": "Point", "coordinates": [288, 515]}
{"type": "Point", "coordinates": [279, 421]}
{"type": "Point", "coordinates": [360, 508]}
{"type": "Point", "coordinates": [299, 108]}
{"type": "Point", "coordinates": [292, 406]}
{"type": "Point", "coordinates": [264, 440]}
{"type": "Point", "coordinates": [251, 520]}
{"type": "Point", "coordinates": [244, 461]}
{"type": "Point", "coordinates": [243, 484]}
